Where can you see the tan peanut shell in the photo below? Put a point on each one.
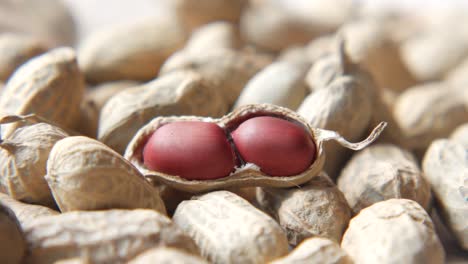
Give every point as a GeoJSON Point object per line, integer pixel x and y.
{"type": "Point", "coordinates": [47, 20]}
{"type": "Point", "coordinates": [49, 85]}
{"type": "Point", "coordinates": [25, 213]}
{"type": "Point", "coordinates": [15, 49]}
{"type": "Point", "coordinates": [431, 55]}
{"type": "Point", "coordinates": [270, 27]}
{"type": "Point", "coordinates": [383, 172]}
{"type": "Point", "coordinates": [343, 99]}
{"type": "Point", "coordinates": [249, 174]}
{"type": "Point", "coordinates": [369, 43]}
{"type": "Point", "coordinates": [100, 94]}
{"type": "Point", "coordinates": [458, 75]}
{"type": "Point", "coordinates": [23, 159]}
{"type": "Point", "coordinates": [111, 236]}
{"type": "Point", "coordinates": [131, 52]}
{"type": "Point", "coordinates": [393, 231]}
{"type": "Point", "coordinates": [280, 83]}
{"type": "Point", "coordinates": [461, 135]}
{"type": "Point", "coordinates": [445, 166]}
{"type": "Point", "coordinates": [343, 106]}
{"type": "Point", "coordinates": [195, 14]}
{"type": "Point", "coordinates": [216, 35]}
{"type": "Point", "coordinates": [227, 70]}
{"type": "Point", "coordinates": [166, 255]}
{"type": "Point", "coordinates": [84, 174]}
{"type": "Point", "coordinates": [316, 250]}
{"type": "Point", "coordinates": [87, 124]}
{"type": "Point", "coordinates": [316, 209]}
{"type": "Point", "coordinates": [177, 93]}
{"type": "Point", "coordinates": [12, 243]}
{"type": "Point", "coordinates": [438, 111]}
{"type": "Point", "coordinates": [228, 229]}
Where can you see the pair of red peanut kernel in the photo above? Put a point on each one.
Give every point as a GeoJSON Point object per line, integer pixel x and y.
{"type": "Point", "coordinates": [197, 150]}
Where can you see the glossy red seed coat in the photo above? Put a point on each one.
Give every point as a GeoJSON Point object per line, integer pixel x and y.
{"type": "Point", "coordinates": [192, 150]}
{"type": "Point", "coordinates": [277, 146]}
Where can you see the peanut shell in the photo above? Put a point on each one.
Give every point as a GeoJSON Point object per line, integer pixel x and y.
{"type": "Point", "coordinates": [383, 172]}
{"type": "Point", "coordinates": [280, 83]}
{"type": "Point", "coordinates": [461, 135]}
{"type": "Point", "coordinates": [12, 244]}
{"type": "Point", "coordinates": [195, 14]}
{"type": "Point", "coordinates": [178, 93]}
{"type": "Point", "coordinates": [438, 112]}
{"type": "Point", "coordinates": [166, 255]}
{"type": "Point", "coordinates": [227, 70]}
{"type": "Point", "coordinates": [112, 236]}
{"type": "Point", "coordinates": [84, 174]}
{"type": "Point", "coordinates": [16, 49]}
{"type": "Point", "coordinates": [431, 55]}
{"type": "Point", "coordinates": [89, 119]}
{"type": "Point", "coordinates": [316, 209]}
{"type": "Point", "coordinates": [228, 229]}
{"type": "Point", "coordinates": [445, 165]}
{"type": "Point", "coordinates": [25, 213]}
{"type": "Point", "coordinates": [393, 231]}
{"type": "Point", "coordinates": [23, 159]}
{"type": "Point", "coordinates": [49, 85]}
{"type": "Point", "coordinates": [131, 52]}
{"type": "Point", "coordinates": [343, 106]}
{"type": "Point", "coordinates": [216, 35]}
{"type": "Point", "coordinates": [316, 250]}
{"type": "Point", "coordinates": [249, 174]}
{"type": "Point", "coordinates": [100, 94]}
{"type": "Point", "coordinates": [370, 45]}
{"type": "Point", "coordinates": [271, 28]}
{"type": "Point", "coordinates": [47, 20]}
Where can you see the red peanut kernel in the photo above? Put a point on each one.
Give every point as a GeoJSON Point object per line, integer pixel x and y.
{"type": "Point", "coordinates": [193, 150]}
{"type": "Point", "coordinates": [277, 146]}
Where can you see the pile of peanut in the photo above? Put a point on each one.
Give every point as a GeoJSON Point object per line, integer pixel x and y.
{"type": "Point", "coordinates": [222, 132]}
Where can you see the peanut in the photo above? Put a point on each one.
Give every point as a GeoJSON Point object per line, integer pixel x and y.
{"type": "Point", "coordinates": [247, 174]}
{"type": "Point", "coordinates": [393, 231]}
{"type": "Point", "coordinates": [286, 79]}
{"type": "Point", "coordinates": [167, 256]}
{"type": "Point", "coordinates": [84, 174]}
{"type": "Point", "coordinates": [137, 50]}
{"type": "Point", "coordinates": [23, 159]}
{"type": "Point", "coordinates": [15, 50]}
{"type": "Point", "coordinates": [206, 154]}
{"type": "Point", "coordinates": [316, 209]}
{"type": "Point", "coordinates": [316, 250]}
{"type": "Point", "coordinates": [49, 85]}
{"type": "Point", "coordinates": [284, 149]}
{"type": "Point", "coordinates": [12, 244]}
{"type": "Point", "coordinates": [112, 236]}
{"type": "Point", "coordinates": [213, 221]}
{"type": "Point", "coordinates": [178, 93]}
{"type": "Point", "coordinates": [445, 166]}
{"type": "Point", "coordinates": [382, 172]}
{"type": "Point", "coordinates": [25, 213]}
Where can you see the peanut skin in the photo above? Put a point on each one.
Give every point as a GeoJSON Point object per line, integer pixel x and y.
{"type": "Point", "coordinates": [192, 150]}
{"type": "Point", "coordinates": [277, 146]}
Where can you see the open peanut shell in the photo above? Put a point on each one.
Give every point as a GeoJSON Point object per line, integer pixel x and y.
{"type": "Point", "coordinates": [247, 174]}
